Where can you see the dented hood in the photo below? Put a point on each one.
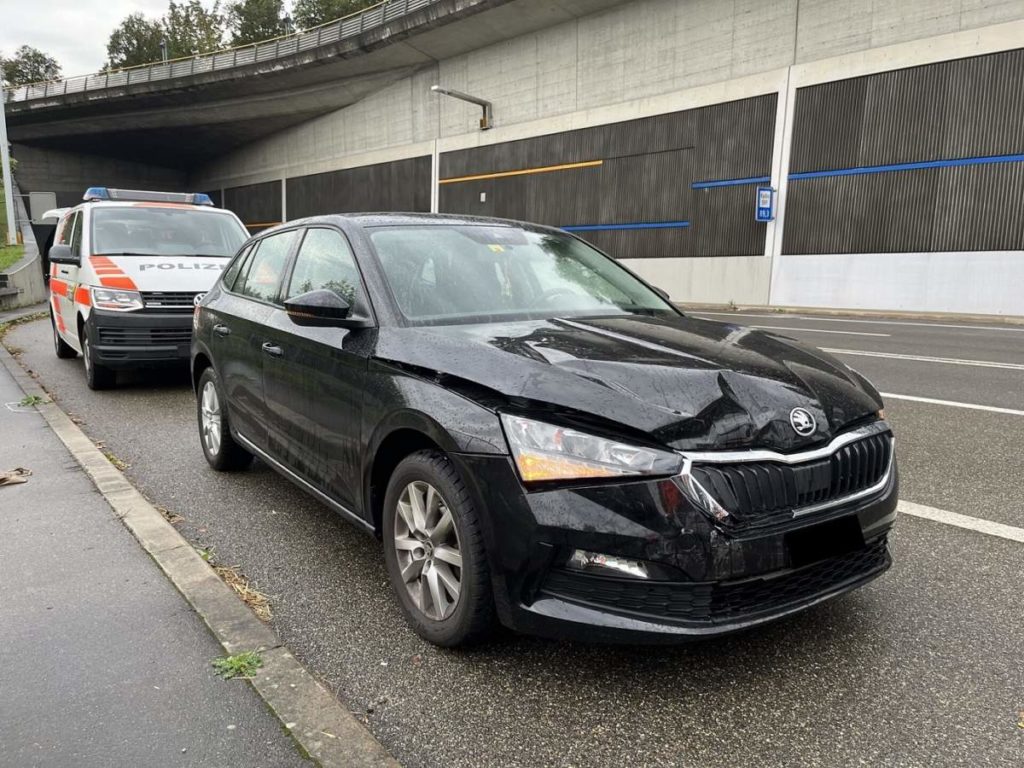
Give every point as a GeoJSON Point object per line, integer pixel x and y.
{"type": "Point", "coordinates": [690, 384]}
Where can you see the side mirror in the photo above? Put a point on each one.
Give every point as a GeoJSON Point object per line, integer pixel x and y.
{"type": "Point", "coordinates": [662, 292]}
{"type": "Point", "coordinates": [61, 254]}
{"type": "Point", "coordinates": [322, 308]}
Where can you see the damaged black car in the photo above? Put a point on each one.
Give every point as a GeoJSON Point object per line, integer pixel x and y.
{"type": "Point", "coordinates": [539, 437]}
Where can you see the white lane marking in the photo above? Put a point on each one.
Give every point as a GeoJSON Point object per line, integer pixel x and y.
{"type": "Point", "coordinates": [785, 316]}
{"type": "Point", "coordinates": [817, 330]}
{"type": "Point", "coordinates": [924, 359]}
{"type": "Point", "coordinates": [738, 315]}
{"type": "Point", "coordinates": [953, 404]}
{"type": "Point", "coordinates": [990, 527]}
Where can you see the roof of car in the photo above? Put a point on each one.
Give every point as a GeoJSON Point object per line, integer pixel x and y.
{"type": "Point", "coordinates": [384, 219]}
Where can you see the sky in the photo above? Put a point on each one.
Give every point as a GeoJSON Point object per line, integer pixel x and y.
{"type": "Point", "coordinates": [74, 32]}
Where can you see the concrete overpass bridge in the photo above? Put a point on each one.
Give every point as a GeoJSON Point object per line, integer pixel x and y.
{"type": "Point", "coordinates": [156, 125]}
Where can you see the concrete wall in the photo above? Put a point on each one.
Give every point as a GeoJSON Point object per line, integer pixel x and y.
{"type": "Point", "coordinates": [69, 174]}
{"type": "Point", "coordinates": [655, 56]}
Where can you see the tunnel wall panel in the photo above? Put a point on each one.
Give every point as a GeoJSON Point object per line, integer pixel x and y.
{"type": "Point", "coordinates": [629, 186]}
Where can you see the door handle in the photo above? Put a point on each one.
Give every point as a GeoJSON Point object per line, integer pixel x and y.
{"type": "Point", "coordinates": [221, 330]}
{"type": "Point", "coordinates": [272, 349]}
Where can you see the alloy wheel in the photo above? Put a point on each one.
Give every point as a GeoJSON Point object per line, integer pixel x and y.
{"type": "Point", "coordinates": [427, 545]}
{"type": "Point", "coordinates": [209, 406]}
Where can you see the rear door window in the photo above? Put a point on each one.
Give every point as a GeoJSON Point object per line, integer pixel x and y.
{"type": "Point", "coordinates": [262, 278]}
{"type": "Point", "coordinates": [235, 268]}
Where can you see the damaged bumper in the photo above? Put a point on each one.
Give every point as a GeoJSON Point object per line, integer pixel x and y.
{"type": "Point", "coordinates": [709, 570]}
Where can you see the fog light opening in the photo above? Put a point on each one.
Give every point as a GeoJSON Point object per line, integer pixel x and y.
{"type": "Point", "coordinates": [583, 560]}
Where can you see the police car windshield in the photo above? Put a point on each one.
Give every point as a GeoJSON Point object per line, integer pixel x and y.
{"type": "Point", "coordinates": [164, 231]}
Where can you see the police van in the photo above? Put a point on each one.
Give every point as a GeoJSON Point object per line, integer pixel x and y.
{"type": "Point", "coordinates": [127, 269]}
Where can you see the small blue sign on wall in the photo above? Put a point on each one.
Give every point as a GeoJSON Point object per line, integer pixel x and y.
{"type": "Point", "coordinates": [765, 204]}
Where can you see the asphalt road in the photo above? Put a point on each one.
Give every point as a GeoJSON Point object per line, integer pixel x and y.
{"type": "Point", "coordinates": [921, 668]}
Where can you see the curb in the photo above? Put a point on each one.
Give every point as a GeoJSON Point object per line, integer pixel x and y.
{"type": "Point", "coordinates": [322, 727]}
{"type": "Point", "coordinates": [697, 308]}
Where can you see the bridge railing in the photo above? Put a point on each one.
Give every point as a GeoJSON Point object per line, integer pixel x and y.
{"type": "Point", "coordinates": [268, 50]}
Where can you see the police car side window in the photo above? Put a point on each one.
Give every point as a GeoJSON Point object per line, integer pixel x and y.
{"type": "Point", "coordinates": [67, 226]}
{"type": "Point", "coordinates": [76, 235]}
{"type": "Point", "coordinates": [266, 268]}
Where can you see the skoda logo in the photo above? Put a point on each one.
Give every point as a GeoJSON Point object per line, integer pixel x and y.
{"type": "Point", "coordinates": [199, 297]}
{"type": "Point", "coordinates": [802, 421]}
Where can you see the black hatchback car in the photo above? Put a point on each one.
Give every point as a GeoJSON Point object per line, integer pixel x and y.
{"type": "Point", "coordinates": [538, 436]}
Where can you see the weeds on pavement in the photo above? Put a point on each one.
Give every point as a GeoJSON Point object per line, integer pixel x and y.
{"type": "Point", "coordinates": [240, 665]}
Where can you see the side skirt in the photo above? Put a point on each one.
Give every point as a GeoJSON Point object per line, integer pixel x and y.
{"type": "Point", "coordinates": [304, 485]}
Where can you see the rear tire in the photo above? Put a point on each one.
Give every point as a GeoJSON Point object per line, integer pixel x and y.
{"type": "Point", "coordinates": [446, 597]}
{"type": "Point", "coordinates": [64, 350]}
{"type": "Point", "coordinates": [221, 451]}
{"type": "Point", "coordinates": [96, 376]}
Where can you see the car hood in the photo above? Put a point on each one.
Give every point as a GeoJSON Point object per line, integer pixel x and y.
{"type": "Point", "coordinates": [687, 383]}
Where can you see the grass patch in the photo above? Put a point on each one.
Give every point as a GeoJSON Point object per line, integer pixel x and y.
{"type": "Point", "coordinates": [30, 400]}
{"type": "Point", "coordinates": [10, 255]}
{"type": "Point", "coordinates": [240, 665]}
{"type": "Point", "coordinates": [258, 602]}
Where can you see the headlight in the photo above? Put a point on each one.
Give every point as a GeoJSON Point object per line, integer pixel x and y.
{"type": "Point", "coordinates": [116, 301]}
{"type": "Point", "coordinates": [545, 452]}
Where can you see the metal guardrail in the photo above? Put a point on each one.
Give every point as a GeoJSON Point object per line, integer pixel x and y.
{"type": "Point", "coordinates": [325, 34]}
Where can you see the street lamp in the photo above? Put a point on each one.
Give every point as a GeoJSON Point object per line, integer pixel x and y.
{"type": "Point", "coordinates": [487, 120]}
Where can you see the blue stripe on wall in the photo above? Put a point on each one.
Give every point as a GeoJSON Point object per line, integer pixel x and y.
{"type": "Point", "coordinates": [634, 225]}
{"type": "Point", "coordinates": [908, 166]}
{"type": "Point", "coordinates": [730, 182]}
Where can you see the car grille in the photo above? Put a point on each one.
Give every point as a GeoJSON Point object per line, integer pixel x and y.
{"type": "Point", "coordinates": [168, 301]}
{"type": "Point", "coordinates": [765, 492]}
{"type": "Point", "coordinates": [139, 337]}
{"type": "Point", "coordinates": [717, 603]}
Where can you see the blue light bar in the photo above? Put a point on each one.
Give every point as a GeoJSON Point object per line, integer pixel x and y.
{"type": "Point", "coordinates": [93, 194]}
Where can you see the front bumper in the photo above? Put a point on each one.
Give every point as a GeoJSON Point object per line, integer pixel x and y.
{"type": "Point", "coordinates": [711, 580]}
{"type": "Point", "coordinates": [130, 339]}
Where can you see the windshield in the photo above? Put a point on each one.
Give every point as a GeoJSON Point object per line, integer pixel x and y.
{"type": "Point", "coordinates": [164, 231]}
{"type": "Point", "coordinates": [482, 273]}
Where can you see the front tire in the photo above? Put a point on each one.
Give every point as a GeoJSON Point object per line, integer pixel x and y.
{"type": "Point", "coordinates": [97, 376]}
{"type": "Point", "coordinates": [434, 552]}
{"type": "Point", "coordinates": [64, 350]}
{"type": "Point", "coordinates": [221, 451]}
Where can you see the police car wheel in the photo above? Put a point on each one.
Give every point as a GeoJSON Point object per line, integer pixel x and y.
{"type": "Point", "coordinates": [221, 451]}
{"type": "Point", "coordinates": [96, 376]}
{"type": "Point", "coordinates": [64, 350]}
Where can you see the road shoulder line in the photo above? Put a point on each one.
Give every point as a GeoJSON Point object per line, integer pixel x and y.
{"type": "Point", "coordinates": [322, 727]}
{"type": "Point", "coordinates": [989, 527]}
{"type": "Point", "coordinates": [953, 404]}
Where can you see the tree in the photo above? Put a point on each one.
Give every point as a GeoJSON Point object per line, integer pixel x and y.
{"type": "Point", "coordinates": [191, 29]}
{"type": "Point", "coordinates": [253, 20]}
{"type": "Point", "coordinates": [29, 65]}
{"type": "Point", "coordinates": [135, 41]}
{"type": "Point", "coordinates": [313, 13]}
